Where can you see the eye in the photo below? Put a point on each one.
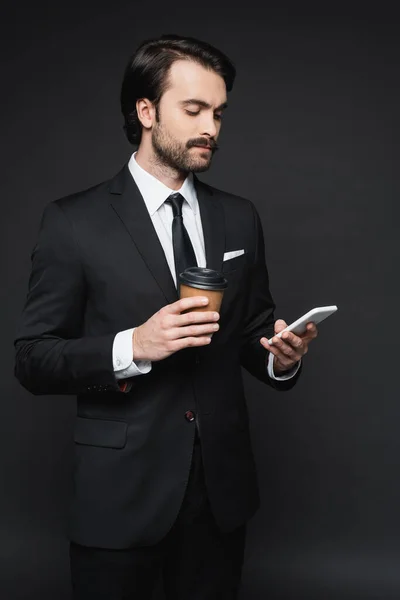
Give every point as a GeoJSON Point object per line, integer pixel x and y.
{"type": "Point", "coordinates": [193, 114]}
{"type": "Point", "coordinates": [218, 117]}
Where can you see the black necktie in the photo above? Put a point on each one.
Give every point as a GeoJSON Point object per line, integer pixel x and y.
{"type": "Point", "coordinates": [184, 255]}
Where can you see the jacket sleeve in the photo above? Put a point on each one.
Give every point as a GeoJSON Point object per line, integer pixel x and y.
{"type": "Point", "coordinates": [260, 320]}
{"type": "Point", "coordinates": [51, 357]}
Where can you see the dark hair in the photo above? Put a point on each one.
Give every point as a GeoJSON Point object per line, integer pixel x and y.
{"type": "Point", "coordinates": [146, 74]}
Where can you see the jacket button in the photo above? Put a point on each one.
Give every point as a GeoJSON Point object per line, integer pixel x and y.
{"type": "Point", "coordinates": [189, 415]}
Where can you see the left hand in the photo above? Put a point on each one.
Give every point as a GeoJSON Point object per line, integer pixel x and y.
{"type": "Point", "coordinates": [290, 348]}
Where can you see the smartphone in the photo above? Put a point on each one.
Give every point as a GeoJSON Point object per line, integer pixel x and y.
{"type": "Point", "coordinates": [315, 315]}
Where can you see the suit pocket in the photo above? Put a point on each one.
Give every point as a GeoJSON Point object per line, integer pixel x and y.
{"type": "Point", "coordinates": [100, 432]}
{"type": "Point", "coordinates": [233, 263]}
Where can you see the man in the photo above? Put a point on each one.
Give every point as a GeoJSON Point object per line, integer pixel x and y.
{"type": "Point", "coordinates": [164, 477]}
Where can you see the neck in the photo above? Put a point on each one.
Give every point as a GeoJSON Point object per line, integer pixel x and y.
{"type": "Point", "coordinates": [170, 177]}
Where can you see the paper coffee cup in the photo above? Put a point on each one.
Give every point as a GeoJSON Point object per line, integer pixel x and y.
{"type": "Point", "coordinates": [199, 281]}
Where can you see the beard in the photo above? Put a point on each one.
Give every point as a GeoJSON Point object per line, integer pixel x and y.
{"type": "Point", "coordinates": [177, 155]}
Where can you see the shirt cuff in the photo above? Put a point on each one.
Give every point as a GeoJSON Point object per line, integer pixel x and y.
{"type": "Point", "coordinates": [123, 364]}
{"type": "Point", "coordinates": [287, 375]}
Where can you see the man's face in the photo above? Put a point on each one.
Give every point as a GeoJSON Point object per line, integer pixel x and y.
{"type": "Point", "coordinates": [189, 117]}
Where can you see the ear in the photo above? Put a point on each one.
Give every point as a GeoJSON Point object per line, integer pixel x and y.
{"type": "Point", "coordinates": [146, 112]}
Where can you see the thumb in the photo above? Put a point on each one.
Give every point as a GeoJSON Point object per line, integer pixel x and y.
{"type": "Point", "coordinates": [280, 324]}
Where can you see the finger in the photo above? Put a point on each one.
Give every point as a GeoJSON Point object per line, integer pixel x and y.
{"type": "Point", "coordinates": [185, 304]}
{"type": "Point", "coordinates": [273, 349]}
{"type": "Point", "coordinates": [194, 317]}
{"type": "Point", "coordinates": [311, 332]}
{"type": "Point", "coordinates": [287, 351]}
{"type": "Point", "coordinates": [297, 348]}
{"type": "Point", "coordinates": [188, 342]}
{"type": "Point", "coordinates": [279, 325]}
{"type": "Point", "coordinates": [192, 331]}
{"type": "Point", "coordinates": [292, 339]}
{"type": "Point", "coordinates": [289, 338]}
{"type": "Point", "coordinates": [282, 350]}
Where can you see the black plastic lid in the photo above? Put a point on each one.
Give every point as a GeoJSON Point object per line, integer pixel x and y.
{"type": "Point", "coordinates": [204, 279]}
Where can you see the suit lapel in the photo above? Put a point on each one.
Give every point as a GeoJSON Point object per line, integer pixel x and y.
{"type": "Point", "coordinates": [128, 203]}
{"type": "Point", "coordinates": [213, 224]}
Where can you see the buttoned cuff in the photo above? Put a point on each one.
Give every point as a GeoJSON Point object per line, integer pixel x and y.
{"type": "Point", "coordinates": [123, 364]}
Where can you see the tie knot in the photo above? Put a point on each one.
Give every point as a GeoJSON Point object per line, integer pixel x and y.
{"type": "Point", "coordinates": [176, 200]}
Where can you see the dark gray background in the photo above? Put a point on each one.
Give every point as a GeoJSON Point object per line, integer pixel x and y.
{"type": "Point", "coordinates": [311, 136]}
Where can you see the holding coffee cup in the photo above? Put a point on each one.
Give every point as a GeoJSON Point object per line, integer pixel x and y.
{"type": "Point", "coordinates": [199, 281]}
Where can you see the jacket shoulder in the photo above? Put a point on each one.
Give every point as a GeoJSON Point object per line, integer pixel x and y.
{"type": "Point", "coordinates": [231, 201]}
{"type": "Point", "coordinates": [83, 199]}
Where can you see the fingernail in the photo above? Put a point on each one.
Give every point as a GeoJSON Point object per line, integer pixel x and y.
{"type": "Point", "coordinates": [204, 300]}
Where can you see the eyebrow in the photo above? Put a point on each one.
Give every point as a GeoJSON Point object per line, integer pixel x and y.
{"type": "Point", "coordinates": [203, 104]}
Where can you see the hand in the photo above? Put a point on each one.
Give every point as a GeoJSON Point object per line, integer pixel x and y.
{"type": "Point", "coordinates": [289, 349]}
{"type": "Point", "coordinates": [168, 331]}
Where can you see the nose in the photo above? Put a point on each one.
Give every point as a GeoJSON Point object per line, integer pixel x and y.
{"type": "Point", "coordinates": [208, 126]}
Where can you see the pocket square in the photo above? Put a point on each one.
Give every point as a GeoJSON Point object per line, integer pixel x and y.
{"type": "Point", "coordinates": [232, 254]}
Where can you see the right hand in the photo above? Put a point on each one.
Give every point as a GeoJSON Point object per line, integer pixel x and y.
{"type": "Point", "coordinates": [168, 331]}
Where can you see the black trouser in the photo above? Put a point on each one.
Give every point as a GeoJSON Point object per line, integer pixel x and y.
{"type": "Point", "coordinates": [197, 561]}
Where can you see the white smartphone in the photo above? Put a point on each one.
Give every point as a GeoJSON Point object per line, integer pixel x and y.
{"type": "Point", "coordinates": [316, 315]}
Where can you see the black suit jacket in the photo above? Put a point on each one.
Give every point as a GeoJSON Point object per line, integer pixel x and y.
{"type": "Point", "coordinates": [99, 268]}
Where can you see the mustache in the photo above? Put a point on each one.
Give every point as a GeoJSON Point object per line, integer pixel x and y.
{"type": "Point", "coordinates": [206, 143]}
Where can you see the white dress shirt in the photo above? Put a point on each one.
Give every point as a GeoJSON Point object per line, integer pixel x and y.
{"type": "Point", "coordinates": [155, 193]}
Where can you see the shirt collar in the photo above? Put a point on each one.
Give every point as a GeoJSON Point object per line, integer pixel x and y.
{"type": "Point", "coordinates": [155, 192]}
